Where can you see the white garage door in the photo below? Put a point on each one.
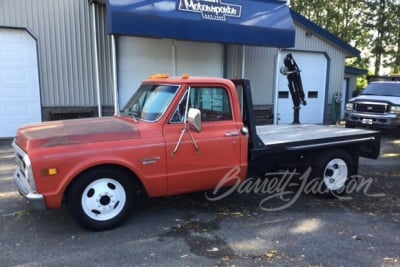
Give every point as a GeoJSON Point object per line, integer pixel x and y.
{"type": "Point", "coordinates": [138, 58]}
{"type": "Point", "coordinates": [313, 68]}
{"type": "Point", "coordinates": [19, 81]}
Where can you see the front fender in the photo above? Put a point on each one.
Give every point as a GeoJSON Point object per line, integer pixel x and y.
{"type": "Point", "coordinates": [71, 164]}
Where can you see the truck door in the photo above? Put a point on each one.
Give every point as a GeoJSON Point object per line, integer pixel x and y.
{"type": "Point", "coordinates": [219, 142]}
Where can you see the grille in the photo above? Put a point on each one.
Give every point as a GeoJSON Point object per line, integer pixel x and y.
{"type": "Point", "coordinates": [20, 162]}
{"type": "Point", "coordinates": [380, 108]}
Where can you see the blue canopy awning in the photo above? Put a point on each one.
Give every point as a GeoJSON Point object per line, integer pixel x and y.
{"type": "Point", "coordinates": [249, 22]}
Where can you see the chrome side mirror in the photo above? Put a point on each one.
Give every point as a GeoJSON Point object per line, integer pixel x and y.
{"type": "Point", "coordinates": [194, 118]}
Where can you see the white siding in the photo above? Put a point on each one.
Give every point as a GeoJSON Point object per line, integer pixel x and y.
{"type": "Point", "coordinates": [260, 69]}
{"type": "Point", "coordinates": [234, 62]}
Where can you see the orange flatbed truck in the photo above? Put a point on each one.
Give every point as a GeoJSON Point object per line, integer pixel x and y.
{"type": "Point", "coordinates": [175, 135]}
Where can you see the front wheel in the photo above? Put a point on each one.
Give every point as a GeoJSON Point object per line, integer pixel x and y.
{"type": "Point", "coordinates": [101, 199]}
{"type": "Point", "coordinates": [333, 167]}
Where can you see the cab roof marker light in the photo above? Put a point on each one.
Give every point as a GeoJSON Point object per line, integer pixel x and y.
{"type": "Point", "coordinates": [185, 76]}
{"type": "Point", "coordinates": [159, 76]}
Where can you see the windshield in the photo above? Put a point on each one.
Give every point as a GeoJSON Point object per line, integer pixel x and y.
{"type": "Point", "coordinates": [383, 88]}
{"type": "Point", "coordinates": [150, 102]}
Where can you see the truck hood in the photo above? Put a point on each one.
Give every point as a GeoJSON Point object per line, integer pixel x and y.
{"type": "Point", "coordinates": [78, 131]}
{"type": "Point", "coordinates": [377, 98]}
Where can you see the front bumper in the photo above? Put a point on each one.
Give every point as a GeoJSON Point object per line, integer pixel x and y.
{"type": "Point", "coordinates": [25, 189]}
{"type": "Point", "coordinates": [383, 121]}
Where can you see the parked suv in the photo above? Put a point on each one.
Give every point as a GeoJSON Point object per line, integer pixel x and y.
{"type": "Point", "coordinates": [377, 106]}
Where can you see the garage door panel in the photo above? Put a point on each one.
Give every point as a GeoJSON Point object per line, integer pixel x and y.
{"type": "Point", "coordinates": [137, 59]}
{"type": "Point", "coordinates": [16, 110]}
{"type": "Point", "coordinates": [19, 83]}
{"type": "Point", "coordinates": [11, 57]}
{"type": "Point", "coordinates": [21, 92]}
{"type": "Point", "coordinates": [16, 91]}
{"type": "Point", "coordinates": [208, 58]}
{"type": "Point", "coordinates": [16, 113]}
{"type": "Point", "coordinates": [313, 68]}
{"type": "Point", "coordinates": [140, 57]}
{"type": "Point", "coordinates": [13, 74]}
{"type": "Point", "coordinates": [11, 126]}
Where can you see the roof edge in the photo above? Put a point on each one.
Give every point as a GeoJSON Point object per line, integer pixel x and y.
{"type": "Point", "coordinates": [355, 71]}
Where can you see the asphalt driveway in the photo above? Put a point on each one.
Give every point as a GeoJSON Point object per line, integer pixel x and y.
{"type": "Point", "coordinates": [238, 230]}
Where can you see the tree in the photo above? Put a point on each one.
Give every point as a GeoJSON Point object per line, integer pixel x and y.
{"type": "Point", "coordinates": [369, 25]}
{"type": "Point", "coordinates": [377, 20]}
{"type": "Point", "coordinates": [341, 18]}
{"type": "Point", "coordinates": [393, 46]}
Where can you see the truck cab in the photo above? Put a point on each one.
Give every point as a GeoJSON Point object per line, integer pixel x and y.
{"type": "Point", "coordinates": [194, 152]}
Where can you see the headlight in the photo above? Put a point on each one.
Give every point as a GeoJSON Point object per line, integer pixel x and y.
{"type": "Point", "coordinates": [349, 106]}
{"type": "Point", "coordinates": [395, 109]}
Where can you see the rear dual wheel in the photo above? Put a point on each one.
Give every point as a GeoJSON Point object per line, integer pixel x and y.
{"type": "Point", "coordinates": [102, 198]}
{"type": "Point", "coordinates": [334, 168]}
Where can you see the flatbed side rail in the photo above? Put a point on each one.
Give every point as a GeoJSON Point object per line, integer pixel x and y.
{"type": "Point", "coordinates": [329, 144]}
{"type": "Point", "coordinates": [369, 147]}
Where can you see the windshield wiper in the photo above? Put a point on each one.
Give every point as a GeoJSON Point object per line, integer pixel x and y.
{"type": "Point", "coordinates": [131, 114]}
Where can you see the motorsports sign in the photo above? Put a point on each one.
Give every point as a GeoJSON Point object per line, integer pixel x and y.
{"type": "Point", "coordinates": [211, 9]}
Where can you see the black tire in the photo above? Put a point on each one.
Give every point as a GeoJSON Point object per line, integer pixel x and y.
{"type": "Point", "coordinates": [334, 167]}
{"type": "Point", "coordinates": [102, 198]}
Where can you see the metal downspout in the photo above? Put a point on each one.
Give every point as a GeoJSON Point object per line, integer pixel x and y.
{"type": "Point", "coordinates": [114, 75]}
{"type": "Point", "coordinates": [96, 60]}
{"type": "Point", "coordinates": [278, 60]}
{"type": "Point", "coordinates": [243, 61]}
{"type": "Point", "coordinates": [174, 59]}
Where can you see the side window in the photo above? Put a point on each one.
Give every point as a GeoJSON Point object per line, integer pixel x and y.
{"type": "Point", "coordinates": [213, 103]}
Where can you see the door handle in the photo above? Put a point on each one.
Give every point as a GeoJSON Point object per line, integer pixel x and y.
{"type": "Point", "coordinates": [231, 134]}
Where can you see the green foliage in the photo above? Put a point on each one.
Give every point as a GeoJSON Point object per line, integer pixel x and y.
{"type": "Point", "coordinates": [373, 26]}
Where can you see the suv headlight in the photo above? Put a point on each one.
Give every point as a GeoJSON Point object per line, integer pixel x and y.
{"type": "Point", "coordinates": [395, 109]}
{"type": "Point", "coordinates": [349, 106]}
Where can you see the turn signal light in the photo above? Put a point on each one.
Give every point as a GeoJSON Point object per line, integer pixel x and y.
{"type": "Point", "coordinates": [49, 172]}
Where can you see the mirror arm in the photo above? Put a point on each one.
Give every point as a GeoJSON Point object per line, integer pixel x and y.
{"type": "Point", "coordinates": [186, 129]}
{"type": "Point", "coordinates": [194, 142]}
{"type": "Point", "coordinates": [179, 141]}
